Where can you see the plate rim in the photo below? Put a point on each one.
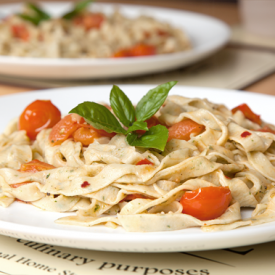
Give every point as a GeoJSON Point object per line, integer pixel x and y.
{"type": "Point", "coordinates": [34, 233]}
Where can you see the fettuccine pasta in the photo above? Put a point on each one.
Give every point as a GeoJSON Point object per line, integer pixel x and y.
{"type": "Point", "coordinates": [89, 35]}
{"type": "Point", "coordinates": [101, 183]}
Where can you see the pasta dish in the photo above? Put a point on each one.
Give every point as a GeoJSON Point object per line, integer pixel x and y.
{"type": "Point", "coordinates": [168, 163]}
{"type": "Point", "coordinates": [87, 34]}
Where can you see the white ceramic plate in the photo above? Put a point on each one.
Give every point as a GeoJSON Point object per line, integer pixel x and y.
{"type": "Point", "coordinates": [27, 222]}
{"type": "Point", "coordinates": [206, 33]}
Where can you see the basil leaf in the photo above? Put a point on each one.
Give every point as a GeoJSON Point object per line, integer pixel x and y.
{"type": "Point", "coordinates": [99, 117]}
{"type": "Point", "coordinates": [33, 20]}
{"type": "Point", "coordinates": [78, 8]}
{"type": "Point", "coordinates": [138, 125]}
{"type": "Point", "coordinates": [37, 16]}
{"type": "Point", "coordinates": [122, 106]}
{"type": "Point", "coordinates": [156, 138]}
{"type": "Point", "coordinates": [40, 13]}
{"type": "Point", "coordinates": [153, 100]}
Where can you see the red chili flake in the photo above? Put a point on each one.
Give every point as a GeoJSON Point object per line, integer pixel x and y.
{"type": "Point", "coordinates": [147, 34]}
{"type": "Point", "coordinates": [145, 161]}
{"type": "Point", "coordinates": [228, 177]}
{"type": "Point", "coordinates": [162, 32]}
{"type": "Point", "coordinates": [40, 37]}
{"type": "Point", "coordinates": [85, 184]}
{"type": "Point", "coordinates": [245, 134]}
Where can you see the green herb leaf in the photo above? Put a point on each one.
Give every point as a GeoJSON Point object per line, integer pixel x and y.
{"type": "Point", "coordinates": [37, 15]}
{"type": "Point", "coordinates": [137, 125]}
{"type": "Point", "coordinates": [99, 117]}
{"type": "Point", "coordinates": [122, 106]}
{"type": "Point", "coordinates": [33, 20]}
{"type": "Point", "coordinates": [153, 100]}
{"type": "Point", "coordinates": [40, 13]}
{"type": "Point", "coordinates": [78, 8]}
{"type": "Point", "coordinates": [156, 138]}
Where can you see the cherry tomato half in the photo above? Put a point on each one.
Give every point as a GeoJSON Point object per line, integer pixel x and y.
{"type": "Point", "coordinates": [16, 185]}
{"type": "Point", "coordinates": [86, 135]}
{"type": "Point", "coordinates": [65, 128]}
{"type": "Point", "coordinates": [74, 126]}
{"type": "Point", "coordinates": [142, 50]}
{"type": "Point", "coordinates": [137, 50]}
{"type": "Point", "coordinates": [248, 113]}
{"type": "Point", "coordinates": [20, 31]}
{"type": "Point", "coordinates": [206, 203]}
{"type": "Point", "coordinates": [35, 166]}
{"type": "Point", "coordinates": [122, 53]}
{"type": "Point", "coordinates": [90, 21]}
{"type": "Point", "coordinates": [39, 115]}
{"type": "Point", "coordinates": [183, 129]}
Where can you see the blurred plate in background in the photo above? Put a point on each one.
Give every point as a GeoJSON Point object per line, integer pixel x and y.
{"type": "Point", "coordinates": [207, 35]}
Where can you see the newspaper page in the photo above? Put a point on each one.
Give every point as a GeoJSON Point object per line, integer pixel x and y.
{"type": "Point", "coordinates": [23, 257]}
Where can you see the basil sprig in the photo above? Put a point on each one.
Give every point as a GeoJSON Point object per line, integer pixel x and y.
{"type": "Point", "coordinates": [78, 8]}
{"type": "Point", "coordinates": [38, 11]}
{"type": "Point", "coordinates": [122, 106]}
{"type": "Point", "coordinates": [99, 117]}
{"type": "Point", "coordinates": [138, 125]}
{"type": "Point", "coordinates": [155, 137]}
{"type": "Point", "coordinates": [36, 16]}
{"type": "Point", "coordinates": [152, 101]}
{"type": "Point", "coordinates": [134, 119]}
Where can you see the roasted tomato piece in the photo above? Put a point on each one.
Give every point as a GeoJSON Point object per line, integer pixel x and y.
{"type": "Point", "coordinates": [137, 50]}
{"type": "Point", "coordinates": [206, 203]}
{"type": "Point", "coordinates": [75, 126]}
{"type": "Point", "coordinates": [90, 20]}
{"type": "Point", "coordinates": [65, 128]}
{"type": "Point", "coordinates": [122, 53]}
{"type": "Point", "coordinates": [142, 50]}
{"type": "Point", "coordinates": [183, 130]}
{"type": "Point", "coordinates": [21, 32]}
{"type": "Point", "coordinates": [35, 166]}
{"type": "Point", "coordinates": [39, 115]}
{"type": "Point", "coordinates": [248, 113]}
{"type": "Point", "coordinates": [86, 135]}
{"type": "Point", "coordinates": [16, 185]}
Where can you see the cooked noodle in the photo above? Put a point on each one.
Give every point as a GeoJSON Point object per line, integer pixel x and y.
{"type": "Point", "coordinates": [220, 156]}
{"type": "Point", "coordinates": [60, 38]}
